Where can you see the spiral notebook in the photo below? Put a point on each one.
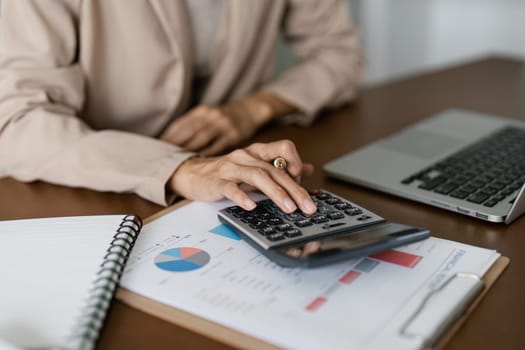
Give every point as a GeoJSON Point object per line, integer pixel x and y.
{"type": "Point", "coordinates": [58, 276]}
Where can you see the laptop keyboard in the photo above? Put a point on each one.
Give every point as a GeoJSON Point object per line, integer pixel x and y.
{"type": "Point", "coordinates": [485, 172]}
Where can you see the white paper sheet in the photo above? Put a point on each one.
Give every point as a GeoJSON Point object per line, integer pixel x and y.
{"type": "Point", "coordinates": [188, 260]}
{"type": "Point", "coordinates": [47, 267]}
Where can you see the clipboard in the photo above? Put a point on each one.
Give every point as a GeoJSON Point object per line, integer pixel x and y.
{"type": "Point", "coordinates": [457, 313]}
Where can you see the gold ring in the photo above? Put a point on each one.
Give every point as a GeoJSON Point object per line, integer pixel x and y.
{"type": "Point", "coordinates": [279, 163]}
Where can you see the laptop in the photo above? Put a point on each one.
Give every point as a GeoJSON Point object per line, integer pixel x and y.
{"type": "Point", "coordinates": [459, 160]}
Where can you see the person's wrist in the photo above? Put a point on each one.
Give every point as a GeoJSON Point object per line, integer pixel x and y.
{"type": "Point", "coordinates": [260, 110]}
{"type": "Point", "coordinates": [175, 184]}
{"type": "Point", "coordinates": [264, 106]}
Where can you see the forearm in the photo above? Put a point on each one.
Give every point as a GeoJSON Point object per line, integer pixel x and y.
{"type": "Point", "coordinates": [264, 106]}
{"type": "Point", "coordinates": [61, 149]}
{"type": "Point", "coordinates": [267, 106]}
{"type": "Point", "coordinates": [330, 61]}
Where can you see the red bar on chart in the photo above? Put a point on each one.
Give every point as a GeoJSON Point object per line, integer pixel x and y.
{"type": "Point", "coordinates": [398, 258]}
{"type": "Point", "coordinates": [349, 277]}
{"type": "Point", "coordinates": [316, 304]}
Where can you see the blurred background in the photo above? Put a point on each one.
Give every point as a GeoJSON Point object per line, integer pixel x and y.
{"type": "Point", "coordinates": [402, 37]}
{"type": "Point", "coordinates": [405, 37]}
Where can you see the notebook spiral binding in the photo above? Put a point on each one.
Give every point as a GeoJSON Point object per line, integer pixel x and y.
{"type": "Point", "coordinates": [92, 316]}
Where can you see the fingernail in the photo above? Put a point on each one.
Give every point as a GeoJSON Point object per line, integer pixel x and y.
{"type": "Point", "coordinates": [289, 204]}
{"type": "Point", "coordinates": [309, 205]}
{"type": "Point", "coordinates": [249, 204]}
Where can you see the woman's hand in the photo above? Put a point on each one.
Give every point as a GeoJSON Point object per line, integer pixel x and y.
{"type": "Point", "coordinates": [211, 130]}
{"type": "Point", "coordinates": [231, 175]}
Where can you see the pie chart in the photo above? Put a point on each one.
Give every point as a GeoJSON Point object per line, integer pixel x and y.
{"type": "Point", "coordinates": [182, 259]}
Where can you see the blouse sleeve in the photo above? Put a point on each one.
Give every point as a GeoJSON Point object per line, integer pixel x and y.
{"type": "Point", "coordinates": [330, 63]}
{"type": "Point", "coordinates": [41, 96]}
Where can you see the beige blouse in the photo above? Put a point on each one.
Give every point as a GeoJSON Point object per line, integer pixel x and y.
{"type": "Point", "coordinates": [87, 85]}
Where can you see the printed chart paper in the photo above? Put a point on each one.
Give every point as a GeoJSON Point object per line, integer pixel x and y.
{"type": "Point", "coordinates": [189, 260]}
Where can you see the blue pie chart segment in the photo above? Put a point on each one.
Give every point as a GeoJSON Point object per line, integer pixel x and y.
{"type": "Point", "coordinates": [182, 259]}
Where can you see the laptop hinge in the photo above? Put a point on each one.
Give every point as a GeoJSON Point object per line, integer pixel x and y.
{"type": "Point", "coordinates": [518, 207]}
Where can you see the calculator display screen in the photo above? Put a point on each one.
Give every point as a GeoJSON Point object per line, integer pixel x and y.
{"type": "Point", "coordinates": [345, 242]}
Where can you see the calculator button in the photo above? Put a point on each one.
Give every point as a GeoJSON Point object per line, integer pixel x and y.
{"type": "Point", "coordinates": [319, 219]}
{"type": "Point", "coordinates": [294, 216]}
{"type": "Point", "coordinates": [323, 209]}
{"type": "Point", "coordinates": [364, 217]}
{"type": "Point", "coordinates": [342, 206]}
{"type": "Point", "coordinates": [336, 215]}
{"type": "Point", "coordinates": [322, 196]}
{"type": "Point", "coordinates": [284, 227]}
{"type": "Point", "coordinates": [235, 209]}
{"type": "Point", "coordinates": [275, 221]}
{"type": "Point", "coordinates": [249, 218]}
{"type": "Point", "coordinates": [264, 215]}
{"type": "Point", "coordinates": [272, 208]}
{"type": "Point", "coordinates": [293, 233]}
{"type": "Point", "coordinates": [318, 203]}
{"type": "Point", "coordinates": [333, 201]}
{"type": "Point", "coordinates": [276, 236]}
{"type": "Point", "coordinates": [303, 222]}
{"type": "Point", "coordinates": [258, 224]}
{"type": "Point", "coordinates": [353, 211]}
{"type": "Point", "coordinates": [266, 202]}
{"type": "Point", "coordinates": [267, 231]}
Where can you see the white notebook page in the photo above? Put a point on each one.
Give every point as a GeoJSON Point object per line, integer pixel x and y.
{"type": "Point", "coordinates": [47, 267]}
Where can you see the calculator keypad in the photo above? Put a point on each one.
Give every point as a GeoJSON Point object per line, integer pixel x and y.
{"type": "Point", "coordinates": [270, 227]}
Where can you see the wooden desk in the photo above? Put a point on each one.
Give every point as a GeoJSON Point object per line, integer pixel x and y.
{"type": "Point", "coordinates": [492, 86]}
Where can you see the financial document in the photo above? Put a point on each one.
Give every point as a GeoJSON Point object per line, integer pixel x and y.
{"type": "Point", "coordinates": [189, 260]}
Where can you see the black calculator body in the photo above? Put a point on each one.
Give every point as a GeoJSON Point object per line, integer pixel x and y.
{"type": "Point", "coordinates": [339, 230]}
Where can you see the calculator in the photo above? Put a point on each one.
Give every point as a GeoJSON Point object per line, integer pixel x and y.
{"type": "Point", "coordinates": [339, 229]}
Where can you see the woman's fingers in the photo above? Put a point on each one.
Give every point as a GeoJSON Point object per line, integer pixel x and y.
{"type": "Point", "coordinates": [225, 139]}
{"type": "Point", "coordinates": [280, 177]}
{"type": "Point", "coordinates": [232, 191]}
{"type": "Point", "coordinates": [216, 127]}
{"type": "Point", "coordinates": [216, 147]}
{"type": "Point", "coordinates": [201, 139]}
{"type": "Point", "coordinates": [298, 193]}
{"type": "Point", "coordinates": [231, 175]}
{"type": "Point", "coordinates": [285, 149]}
{"type": "Point", "coordinates": [275, 183]}
{"type": "Point", "coordinates": [261, 179]}
{"type": "Point", "coordinates": [182, 130]}
{"type": "Point", "coordinates": [207, 130]}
